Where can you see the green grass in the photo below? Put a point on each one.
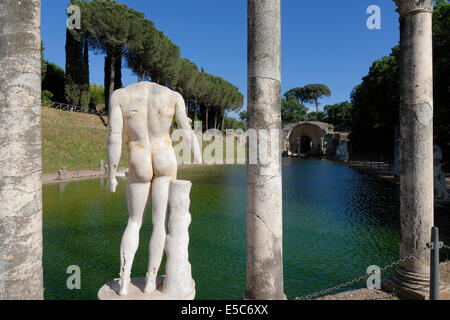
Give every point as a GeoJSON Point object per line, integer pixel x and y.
{"type": "Point", "coordinates": [70, 137]}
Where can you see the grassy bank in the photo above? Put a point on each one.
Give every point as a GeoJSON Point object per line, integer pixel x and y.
{"type": "Point", "coordinates": [70, 137]}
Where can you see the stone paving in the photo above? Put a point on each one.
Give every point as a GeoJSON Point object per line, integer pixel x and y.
{"type": "Point", "coordinates": [367, 294]}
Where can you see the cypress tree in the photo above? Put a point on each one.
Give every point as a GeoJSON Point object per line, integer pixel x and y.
{"type": "Point", "coordinates": [85, 95]}
{"type": "Point", "coordinates": [76, 89]}
{"type": "Point", "coordinates": [74, 53]}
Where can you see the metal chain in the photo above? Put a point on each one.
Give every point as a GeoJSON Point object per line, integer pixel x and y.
{"type": "Point", "coordinates": [345, 284]}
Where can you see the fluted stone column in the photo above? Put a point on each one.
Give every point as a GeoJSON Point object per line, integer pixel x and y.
{"type": "Point", "coordinates": [264, 203]}
{"type": "Point", "coordinates": [20, 151]}
{"type": "Point", "coordinates": [416, 145]}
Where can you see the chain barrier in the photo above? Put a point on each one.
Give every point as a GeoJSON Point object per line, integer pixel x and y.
{"type": "Point", "coordinates": [366, 276]}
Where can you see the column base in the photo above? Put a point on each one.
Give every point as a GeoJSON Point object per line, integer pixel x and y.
{"type": "Point", "coordinates": [409, 286]}
{"type": "Point", "coordinates": [281, 298]}
{"type": "Point", "coordinates": [136, 291]}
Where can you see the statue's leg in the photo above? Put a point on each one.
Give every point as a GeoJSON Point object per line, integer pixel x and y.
{"type": "Point", "coordinates": [137, 196]}
{"type": "Point", "coordinates": [160, 194]}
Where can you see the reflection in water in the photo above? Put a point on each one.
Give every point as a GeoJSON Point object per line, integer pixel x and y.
{"type": "Point", "coordinates": [61, 187]}
{"type": "Point", "coordinates": [337, 222]}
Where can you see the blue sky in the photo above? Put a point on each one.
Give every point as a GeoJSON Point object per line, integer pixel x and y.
{"type": "Point", "coordinates": [322, 41]}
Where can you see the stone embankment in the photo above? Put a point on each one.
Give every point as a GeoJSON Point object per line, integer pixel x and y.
{"type": "Point", "coordinates": [385, 171]}
{"type": "Point", "coordinates": [52, 178]}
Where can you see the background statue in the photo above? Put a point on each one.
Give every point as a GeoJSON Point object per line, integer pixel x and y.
{"type": "Point", "coordinates": [440, 184]}
{"type": "Point", "coordinates": [342, 152]}
{"type": "Point", "coordinates": [145, 112]}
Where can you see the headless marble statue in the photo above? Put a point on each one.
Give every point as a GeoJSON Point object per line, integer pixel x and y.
{"type": "Point", "coordinates": [145, 112]}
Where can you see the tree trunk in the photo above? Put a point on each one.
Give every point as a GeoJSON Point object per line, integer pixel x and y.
{"type": "Point", "coordinates": [416, 145]}
{"type": "Point", "coordinates": [112, 73]}
{"type": "Point", "coordinates": [85, 84]}
{"type": "Point", "coordinates": [20, 153]}
{"type": "Point", "coordinates": [112, 78]}
{"type": "Point", "coordinates": [215, 119]}
{"type": "Point", "coordinates": [195, 110]}
{"type": "Point", "coordinates": [264, 184]}
{"type": "Point", "coordinates": [107, 80]}
{"type": "Point", "coordinates": [118, 68]}
{"type": "Point", "coordinates": [207, 119]}
{"type": "Point", "coordinates": [187, 107]}
{"type": "Point", "coordinates": [223, 121]}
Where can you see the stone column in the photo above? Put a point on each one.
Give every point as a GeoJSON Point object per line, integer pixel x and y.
{"type": "Point", "coordinates": [416, 145]}
{"type": "Point", "coordinates": [264, 203]}
{"type": "Point", "coordinates": [20, 151]}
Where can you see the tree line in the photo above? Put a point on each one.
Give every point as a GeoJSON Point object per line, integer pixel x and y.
{"type": "Point", "coordinates": [373, 112]}
{"type": "Point", "coordinates": [376, 100]}
{"type": "Point", "coordinates": [125, 35]}
{"type": "Point", "coordinates": [293, 109]}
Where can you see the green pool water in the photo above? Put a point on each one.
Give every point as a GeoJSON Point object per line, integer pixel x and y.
{"type": "Point", "coordinates": [337, 222]}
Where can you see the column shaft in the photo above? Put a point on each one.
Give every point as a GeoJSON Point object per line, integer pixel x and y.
{"type": "Point", "coordinates": [264, 205]}
{"type": "Point", "coordinates": [21, 276]}
{"type": "Point", "coordinates": [416, 147]}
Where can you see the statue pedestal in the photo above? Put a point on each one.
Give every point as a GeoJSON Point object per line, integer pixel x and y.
{"type": "Point", "coordinates": [136, 291]}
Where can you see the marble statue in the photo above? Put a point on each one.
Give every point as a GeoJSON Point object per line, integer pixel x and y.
{"type": "Point", "coordinates": [144, 112]}
{"type": "Point", "coordinates": [62, 174]}
{"type": "Point", "coordinates": [101, 165]}
{"type": "Point", "coordinates": [178, 280]}
{"type": "Point", "coordinates": [440, 184]}
{"type": "Point", "coordinates": [342, 152]}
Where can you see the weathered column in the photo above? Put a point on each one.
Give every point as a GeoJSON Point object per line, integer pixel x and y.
{"type": "Point", "coordinates": [416, 144]}
{"type": "Point", "coordinates": [264, 203]}
{"type": "Point", "coordinates": [20, 151]}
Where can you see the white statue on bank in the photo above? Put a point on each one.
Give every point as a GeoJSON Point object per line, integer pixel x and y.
{"type": "Point", "coordinates": [145, 112]}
